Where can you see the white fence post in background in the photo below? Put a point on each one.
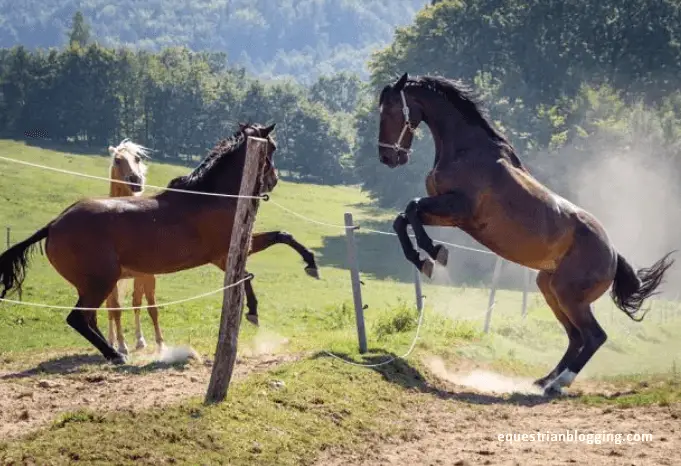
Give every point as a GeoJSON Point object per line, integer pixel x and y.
{"type": "Point", "coordinates": [493, 292]}
{"type": "Point", "coordinates": [526, 287]}
{"type": "Point", "coordinates": [356, 285]}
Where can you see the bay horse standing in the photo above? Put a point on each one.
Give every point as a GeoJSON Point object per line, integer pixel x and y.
{"type": "Point", "coordinates": [127, 165]}
{"type": "Point", "coordinates": [479, 185]}
{"type": "Point", "coordinates": [95, 242]}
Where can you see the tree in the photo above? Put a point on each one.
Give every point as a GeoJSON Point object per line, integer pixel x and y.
{"type": "Point", "coordinates": [79, 35]}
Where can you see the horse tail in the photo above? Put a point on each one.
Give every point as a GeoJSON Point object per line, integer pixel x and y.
{"type": "Point", "coordinates": [14, 261]}
{"type": "Point", "coordinates": [630, 287]}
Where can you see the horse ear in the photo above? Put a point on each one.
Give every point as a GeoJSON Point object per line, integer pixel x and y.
{"type": "Point", "coordinates": [242, 126]}
{"type": "Point", "coordinates": [401, 82]}
{"type": "Point", "coordinates": [268, 129]}
{"type": "Point", "coordinates": [112, 150]}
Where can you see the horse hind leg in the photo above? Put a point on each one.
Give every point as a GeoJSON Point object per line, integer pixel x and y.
{"type": "Point", "coordinates": [251, 302]}
{"type": "Point", "coordinates": [81, 322]}
{"type": "Point", "coordinates": [580, 313]}
{"type": "Point", "coordinates": [150, 294]}
{"type": "Point", "coordinates": [137, 293]}
{"type": "Point", "coordinates": [575, 342]}
{"type": "Point", "coordinates": [112, 302]}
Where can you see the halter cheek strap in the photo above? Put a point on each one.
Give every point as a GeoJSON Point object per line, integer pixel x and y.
{"type": "Point", "coordinates": [397, 147]}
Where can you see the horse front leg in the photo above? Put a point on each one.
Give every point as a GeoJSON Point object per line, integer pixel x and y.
{"type": "Point", "coordinates": [262, 241]}
{"type": "Point", "coordinates": [448, 209]}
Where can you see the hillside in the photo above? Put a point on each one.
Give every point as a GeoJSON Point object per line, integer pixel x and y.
{"type": "Point", "coordinates": [301, 38]}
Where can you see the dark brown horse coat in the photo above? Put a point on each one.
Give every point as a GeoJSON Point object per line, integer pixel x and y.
{"type": "Point", "coordinates": [479, 185]}
{"type": "Point", "coordinates": [96, 242]}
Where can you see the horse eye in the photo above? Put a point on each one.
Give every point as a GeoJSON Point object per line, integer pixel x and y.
{"type": "Point", "coordinates": [138, 159]}
{"type": "Point", "coordinates": [117, 161]}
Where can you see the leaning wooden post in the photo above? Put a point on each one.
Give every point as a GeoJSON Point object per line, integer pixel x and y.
{"type": "Point", "coordinates": [526, 288]}
{"type": "Point", "coordinates": [493, 291]}
{"type": "Point", "coordinates": [356, 285]}
{"type": "Point", "coordinates": [232, 301]}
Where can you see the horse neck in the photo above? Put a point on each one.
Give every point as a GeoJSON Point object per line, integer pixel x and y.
{"type": "Point", "coordinates": [228, 180]}
{"type": "Point", "coordinates": [449, 129]}
{"type": "Point", "coordinates": [118, 189]}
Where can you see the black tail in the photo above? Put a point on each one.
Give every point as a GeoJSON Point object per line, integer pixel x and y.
{"type": "Point", "coordinates": [631, 287]}
{"type": "Point", "coordinates": [14, 261]}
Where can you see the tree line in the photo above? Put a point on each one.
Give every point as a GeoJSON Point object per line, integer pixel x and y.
{"type": "Point", "coordinates": [176, 101]}
{"type": "Point", "coordinates": [560, 79]}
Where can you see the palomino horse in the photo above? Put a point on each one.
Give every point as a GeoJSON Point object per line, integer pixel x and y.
{"type": "Point", "coordinates": [96, 242]}
{"type": "Point", "coordinates": [479, 185]}
{"type": "Point", "coordinates": [127, 165]}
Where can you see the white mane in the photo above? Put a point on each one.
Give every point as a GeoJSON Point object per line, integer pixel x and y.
{"type": "Point", "coordinates": [133, 149]}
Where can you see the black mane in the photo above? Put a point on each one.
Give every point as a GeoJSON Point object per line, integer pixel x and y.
{"type": "Point", "coordinates": [461, 96]}
{"type": "Point", "coordinates": [201, 178]}
{"type": "Point", "coordinates": [472, 110]}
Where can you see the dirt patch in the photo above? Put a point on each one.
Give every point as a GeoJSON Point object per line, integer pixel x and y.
{"type": "Point", "coordinates": [34, 397]}
{"type": "Point", "coordinates": [460, 426]}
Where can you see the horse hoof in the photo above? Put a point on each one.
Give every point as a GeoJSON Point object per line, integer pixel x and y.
{"type": "Point", "coordinates": [252, 318]}
{"type": "Point", "coordinates": [123, 350]}
{"type": "Point", "coordinates": [312, 272]}
{"type": "Point", "coordinates": [427, 268]}
{"type": "Point", "coordinates": [118, 360]}
{"type": "Point", "coordinates": [553, 390]}
{"type": "Point", "coordinates": [441, 255]}
{"type": "Point", "coordinates": [141, 344]}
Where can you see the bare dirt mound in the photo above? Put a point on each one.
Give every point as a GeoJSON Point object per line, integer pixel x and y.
{"type": "Point", "coordinates": [31, 398]}
{"type": "Point", "coordinates": [459, 424]}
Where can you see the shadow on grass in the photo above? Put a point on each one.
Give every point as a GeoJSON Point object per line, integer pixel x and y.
{"type": "Point", "coordinates": [76, 363]}
{"type": "Point", "coordinates": [403, 374]}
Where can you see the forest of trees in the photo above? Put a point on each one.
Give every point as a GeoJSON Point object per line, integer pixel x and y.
{"type": "Point", "coordinates": [557, 78]}
{"type": "Point", "coordinates": [270, 38]}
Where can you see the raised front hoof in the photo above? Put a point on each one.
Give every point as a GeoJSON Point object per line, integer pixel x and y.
{"type": "Point", "coordinates": [141, 344]}
{"type": "Point", "coordinates": [427, 268]}
{"type": "Point", "coordinates": [312, 272]}
{"type": "Point", "coordinates": [441, 255]}
{"type": "Point", "coordinates": [252, 318]}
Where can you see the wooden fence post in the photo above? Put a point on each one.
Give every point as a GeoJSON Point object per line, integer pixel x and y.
{"type": "Point", "coordinates": [493, 291]}
{"type": "Point", "coordinates": [232, 301]}
{"type": "Point", "coordinates": [356, 285]}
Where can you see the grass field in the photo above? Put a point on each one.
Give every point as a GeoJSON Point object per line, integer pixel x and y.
{"type": "Point", "coordinates": [324, 403]}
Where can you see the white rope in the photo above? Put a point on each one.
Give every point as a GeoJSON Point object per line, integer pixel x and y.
{"type": "Point", "coordinates": [404, 356]}
{"type": "Point", "coordinates": [172, 303]}
{"type": "Point", "coordinates": [308, 219]}
{"type": "Point", "coordinates": [94, 177]}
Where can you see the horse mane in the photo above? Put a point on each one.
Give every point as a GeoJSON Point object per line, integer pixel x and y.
{"type": "Point", "coordinates": [472, 110]}
{"type": "Point", "coordinates": [201, 178]}
{"type": "Point", "coordinates": [134, 149]}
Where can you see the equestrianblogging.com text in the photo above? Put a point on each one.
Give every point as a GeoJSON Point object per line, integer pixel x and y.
{"type": "Point", "coordinates": [589, 438]}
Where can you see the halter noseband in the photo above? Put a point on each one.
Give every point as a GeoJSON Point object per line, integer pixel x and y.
{"type": "Point", "coordinates": [407, 126]}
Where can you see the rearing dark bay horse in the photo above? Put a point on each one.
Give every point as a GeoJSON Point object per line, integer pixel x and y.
{"type": "Point", "coordinates": [98, 241]}
{"type": "Point", "coordinates": [479, 185]}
